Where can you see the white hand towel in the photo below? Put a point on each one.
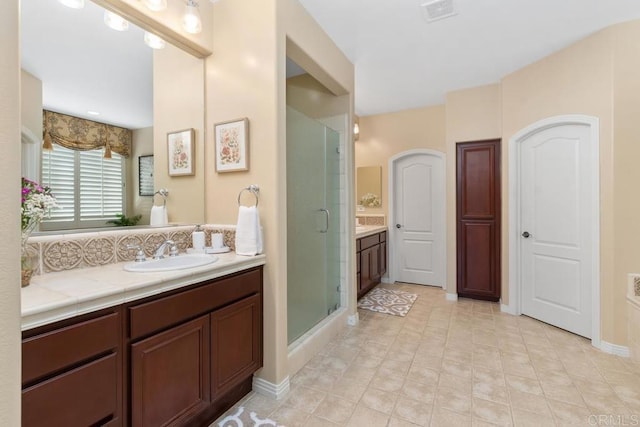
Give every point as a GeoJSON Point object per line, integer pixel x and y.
{"type": "Point", "coordinates": [248, 231]}
{"type": "Point", "coordinates": [158, 216]}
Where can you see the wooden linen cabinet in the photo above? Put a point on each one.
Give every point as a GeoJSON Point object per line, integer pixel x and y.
{"type": "Point", "coordinates": [478, 205]}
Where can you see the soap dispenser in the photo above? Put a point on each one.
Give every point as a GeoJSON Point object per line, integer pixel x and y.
{"type": "Point", "coordinates": [198, 238]}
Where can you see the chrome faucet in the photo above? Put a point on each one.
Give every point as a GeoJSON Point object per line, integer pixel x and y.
{"type": "Point", "coordinates": [173, 249]}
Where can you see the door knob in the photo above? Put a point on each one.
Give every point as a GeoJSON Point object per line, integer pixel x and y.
{"type": "Point", "coordinates": [526, 235]}
{"type": "Point", "coordinates": [398, 226]}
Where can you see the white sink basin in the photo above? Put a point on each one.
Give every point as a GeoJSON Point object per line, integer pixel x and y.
{"type": "Point", "coordinates": [171, 263]}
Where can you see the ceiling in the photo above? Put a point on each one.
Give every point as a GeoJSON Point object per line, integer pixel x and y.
{"type": "Point", "coordinates": [84, 65]}
{"type": "Point", "coordinates": [402, 61]}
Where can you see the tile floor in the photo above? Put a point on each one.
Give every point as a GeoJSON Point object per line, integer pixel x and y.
{"type": "Point", "coordinates": [456, 364]}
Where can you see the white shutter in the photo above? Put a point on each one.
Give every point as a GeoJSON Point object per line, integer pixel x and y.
{"type": "Point", "coordinates": [88, 187]}
{"type": "Point", "coordinates": [100, 186]}
{"type": "Point", "coordinates": [58, 168]}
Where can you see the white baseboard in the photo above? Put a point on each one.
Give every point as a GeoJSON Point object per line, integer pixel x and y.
{"type": "Point", "coordinates": [505, 308]}
{"type": "Point", "coordinates": [269, 389]}
{"type": "Point", "coordinates": [452, 297]}
{"type": "Point", "coordinates": [618, 350]}
{"type": "Point", "coordinates": [353, 319]}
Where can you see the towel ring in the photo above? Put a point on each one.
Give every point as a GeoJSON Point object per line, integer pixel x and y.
{"type": "Point", "coordinates": [164, 193]}
{"type": "Point", "coordinates": [253, 189]}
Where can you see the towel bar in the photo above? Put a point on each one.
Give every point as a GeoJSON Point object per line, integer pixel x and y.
{"type": "Point", "coordinates": [253, 189]}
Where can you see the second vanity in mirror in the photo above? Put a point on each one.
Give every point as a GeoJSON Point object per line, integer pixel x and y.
{"type": "Point", "coordinates": [369, 186]}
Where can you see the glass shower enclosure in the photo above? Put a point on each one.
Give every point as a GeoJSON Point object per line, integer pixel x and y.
{"type": "Point", "coordinates": [313, 222]}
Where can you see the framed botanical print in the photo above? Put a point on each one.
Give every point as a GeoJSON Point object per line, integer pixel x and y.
{"type": "Point", "coordinates": [180, 146]}
{"type": "Point", "coordinates": [232, 145]}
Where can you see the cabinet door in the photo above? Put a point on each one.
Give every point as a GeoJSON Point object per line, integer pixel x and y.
{"type": "Point", "coordinates": [170, 375]}
{"type": "Point", "coordinates": [374, 267]}
{"type": "Point", "coordinates": [365, 271]}
{"type": "Point", "coordinates": [236, 343]}
{"type": "Point", "coordinates": [383, 258]}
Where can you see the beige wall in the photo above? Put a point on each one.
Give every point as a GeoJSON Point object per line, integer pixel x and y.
{"type": "Point", "coordinates": [626, 173]}
{"type": "Point", "coordinates": [9, 208]}
{"type": "Point", "coordinates": [383, 136]}
{"type": "Point", "coordinates": [178, 104]}
{"type": "Point", "coordinates": [142, 145]}
{"type": "Point", "coordinates": [313, 99]}
{"type": "Point", "coordinates": [471, 115]}
{"type": "Point", "coordinates": [31, 103]}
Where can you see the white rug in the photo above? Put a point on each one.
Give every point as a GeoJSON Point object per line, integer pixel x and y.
{"type": "Point", "coordinates": [388, 301]}
{"type": "Point", "coordinates": [243, 419]}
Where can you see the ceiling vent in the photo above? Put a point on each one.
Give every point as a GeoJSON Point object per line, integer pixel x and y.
{"type": "Point", "coordinates": [438, 9]}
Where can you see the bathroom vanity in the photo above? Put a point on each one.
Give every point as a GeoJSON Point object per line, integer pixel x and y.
{"type": "Point", "coordinates": [371, 257]}
{"type": "Point", "coordinates": [178, 348]}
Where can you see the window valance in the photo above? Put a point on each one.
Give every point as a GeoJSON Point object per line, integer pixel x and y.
{"type": "Point", "coordinates": [82, 134]}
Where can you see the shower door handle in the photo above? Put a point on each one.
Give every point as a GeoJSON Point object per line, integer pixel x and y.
{"type": "Point", "coordinates": [328, 215]}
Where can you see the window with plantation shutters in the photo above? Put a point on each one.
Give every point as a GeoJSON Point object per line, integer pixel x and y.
{"type": "Point", "coordinates": [88, 188]}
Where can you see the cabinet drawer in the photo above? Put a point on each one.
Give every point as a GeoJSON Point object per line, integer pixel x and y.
{"type": "Point", "coordinates": [53, 351]}
{"type": "Point", "coordinates": [82, 397]}
{"type": "Point", "coordinates": [168, 311]}
{"type": "Point", "coordinates": [367, 242]}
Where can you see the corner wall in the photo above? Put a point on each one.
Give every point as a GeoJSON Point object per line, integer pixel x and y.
{"type": "Point", "coordinates": [9, 207]}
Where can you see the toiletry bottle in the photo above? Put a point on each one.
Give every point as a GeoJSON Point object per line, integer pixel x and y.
{"type": "Point", "coordinates": [198, 238]}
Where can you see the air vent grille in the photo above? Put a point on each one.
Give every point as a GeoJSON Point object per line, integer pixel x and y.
{"type": "Point", "coordinates": [439, 9]}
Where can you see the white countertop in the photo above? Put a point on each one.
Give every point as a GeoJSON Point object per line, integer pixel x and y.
{"type": "Point", "coordinates": [368, 230]}
{"type": "Point", "coordinates": [55, 296]}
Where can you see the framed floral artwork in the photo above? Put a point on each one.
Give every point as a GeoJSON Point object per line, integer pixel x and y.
{"type": "Point", "coordinates": [232, 145]}
{"type": "Point", "coordinates": [180, 146]}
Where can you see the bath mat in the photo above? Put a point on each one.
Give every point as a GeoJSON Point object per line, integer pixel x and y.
{"type": "Point", "coordinates": [388, 301]}
{"type": "Point", "coordinates": [242, 419]}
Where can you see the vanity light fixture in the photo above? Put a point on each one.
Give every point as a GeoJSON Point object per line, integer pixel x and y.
{"type": "Point", "coordinates": [191, 21]}
{"type": "Point", "coordinates": [73, 4]}
{"type": "Point", "coordinates": [115, 22]}
{"type": "Point", "coordinates": [155, 5]}
{"type": "Point", "coordinates": [153, 41]}
{"type": "Point", "coordinates": [356, 131]}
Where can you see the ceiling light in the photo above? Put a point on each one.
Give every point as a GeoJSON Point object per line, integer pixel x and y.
{"type": "Point", "coordinates": [191, 21]}
{"type": "Point", "coordinates": [155, 5]}
{"type": "Point", "coordinates": [93, 113]}
{"type": "Point", "coordinates": [74, 4]}
{"type": "Point", "coordinates": [115, 22]}
{"type": "Point", "coordinates": [153, 41]}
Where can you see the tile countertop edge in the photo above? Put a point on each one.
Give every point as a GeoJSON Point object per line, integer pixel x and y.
{"type": "Point", "coordinates": [368, 230]}
{"type": "Point", "coordinates": [62, 306]}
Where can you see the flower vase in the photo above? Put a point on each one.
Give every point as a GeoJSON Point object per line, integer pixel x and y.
{"type": "Point", "coordinates": [28, 257]}
{"type": "Point", "coordinates": [28, 264]}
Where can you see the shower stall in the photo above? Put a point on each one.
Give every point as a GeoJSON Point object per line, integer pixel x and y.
{"type": "Point", "coordinates": [313, 222]}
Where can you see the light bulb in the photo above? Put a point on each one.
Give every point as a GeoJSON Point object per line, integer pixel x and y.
{"type": "Point", "coordinates": [74, 4]}
{"type": "Point", "coordinates": [155, 5]}
{"type": "Point", "coordinates": [191, 19]}
{"type": "Point", "coordinates": [115, 22]}
{"type": "Point", "coordinates": [153, 41]}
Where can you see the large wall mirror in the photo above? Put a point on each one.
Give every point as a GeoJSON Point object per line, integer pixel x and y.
{"type": "Point", "coordinates": [73, 63]}
{"type": "Point", "coordinates": [369, 186]}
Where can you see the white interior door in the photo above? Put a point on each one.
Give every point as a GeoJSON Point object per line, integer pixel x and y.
{"type": "Point", "coordinates": [419, 229]}
{"type": "Point", "coordinates": [556, 224]}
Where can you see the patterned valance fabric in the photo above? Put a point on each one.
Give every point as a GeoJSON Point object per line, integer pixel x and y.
{"type": "Point", "coordinates": [81, 134]}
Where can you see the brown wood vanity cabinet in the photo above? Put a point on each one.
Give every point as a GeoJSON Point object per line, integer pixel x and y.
{"type": "Point", "coordinates": [184, 356]}
{"type": "Point", "coordinates": [72, 372]}
{"type": "Point", "coordinates": [371, 260]}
